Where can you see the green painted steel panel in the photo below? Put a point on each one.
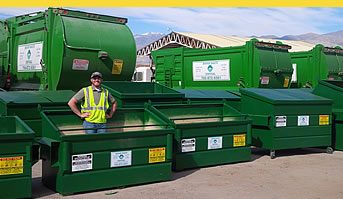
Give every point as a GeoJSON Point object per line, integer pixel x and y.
{"type": "Point", "coordinates": [201, 123]}
{"type": "Point", "coordinates": [320, 63]}
{"type": "Point", "coordinates": [286, 119]}
{"type": "Point", "coordinates": [16, 140]}
{"type": "Point", "coordinates": [135, 94]}
{"type": "Point", "coordinates": [211, 96]}
{"type": "Point", "coordinates": [281, 96]}
{"type": "Point", "coordinates": [134, 131]}
{"type": "Point", "coordinates": [28, 104]}
{"type": "Point", "coordinates": [71, 45]}
{"type": "Point", "coordinates": [333, 89]}
{"type": "Point", "coordinates": [254, 65]}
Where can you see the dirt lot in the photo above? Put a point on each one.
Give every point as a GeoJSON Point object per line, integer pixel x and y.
{"type": "Point", "coordinates": [301, 173]}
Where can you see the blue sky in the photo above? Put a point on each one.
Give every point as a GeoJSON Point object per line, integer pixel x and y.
{"type": "Point", "coordinates": [222, 21]}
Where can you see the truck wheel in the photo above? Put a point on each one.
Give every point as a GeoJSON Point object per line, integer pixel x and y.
{"type": "Point", "coordinates": [329, 150]}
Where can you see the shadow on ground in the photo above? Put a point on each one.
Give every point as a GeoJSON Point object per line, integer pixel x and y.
{"type": "Point", "coordinates": [38, 189]}
{"type": "Point", "coordinates": [258, 152]}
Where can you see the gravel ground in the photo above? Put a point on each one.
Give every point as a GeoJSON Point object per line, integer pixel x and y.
{"type": "Point", "coordinates": [302, 173]}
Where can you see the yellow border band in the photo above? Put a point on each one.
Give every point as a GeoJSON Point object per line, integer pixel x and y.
{"type": "Point", "coordinates": [173, 3]}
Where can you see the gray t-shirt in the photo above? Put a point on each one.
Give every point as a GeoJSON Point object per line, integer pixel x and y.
{"type": "Point", "coordinates": [80, 96]}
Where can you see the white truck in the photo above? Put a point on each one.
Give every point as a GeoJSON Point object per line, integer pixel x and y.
{"type": "Point", "coordinates": [144, 74]}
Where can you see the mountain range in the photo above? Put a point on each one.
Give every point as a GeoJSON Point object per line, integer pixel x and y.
{"type": "Point", "coordinates": [329, 39]}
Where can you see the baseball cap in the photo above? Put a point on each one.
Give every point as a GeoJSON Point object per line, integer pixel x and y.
{"type": "Point", "coordinates": [96, 74]}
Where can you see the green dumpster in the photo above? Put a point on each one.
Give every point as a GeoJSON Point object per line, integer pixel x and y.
{"type": "Point", "coordinates": [137, 148]}
{"type": "Point", "coordinates": [333, 89]}
{"type": "Point", "coordinates": [256, 64]}
{"type": "Point", "coordinates": [27, 105]}
{"type": "Point", "coordinates": [287, 119]}
{"type": "Point", "coordinates": [135, 94]}
{"type": "Point", "coordinates": [206, 134]}
{"type": "Point", "coordinates": [211, 96]}
{"type": "Point", "coordinates": [320, 63]}
{"type": "Point", "coordinates": [16, 140]}
{"type": "Point", "coordinates": [59, 49]}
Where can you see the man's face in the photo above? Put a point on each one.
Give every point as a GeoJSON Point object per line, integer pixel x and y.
{"type": "Point", "coordinates": [96, 81]}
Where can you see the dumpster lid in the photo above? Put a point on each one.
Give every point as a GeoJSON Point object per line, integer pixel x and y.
{"type": "Point", "coordinates": [285, 96]}
{"type": "Point", "coordinates": [333, 84]}
{"type": "Point", "coordinates": [146, 90]}
{"type": "Point", "coordinates": [208, 94]}
{"type": "Point", "coordinates": [36, 97]}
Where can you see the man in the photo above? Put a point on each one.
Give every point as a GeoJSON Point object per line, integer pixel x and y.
{"type": "Point", "coordinates": [94, 106]}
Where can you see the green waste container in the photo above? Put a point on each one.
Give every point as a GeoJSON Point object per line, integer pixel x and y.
{"type": "Point", "coordinates": [287, 119]}
{"type": "Point", "coordinates": [137, 148]}
{"type": "Point", "coordinates": [256, 64]}
{"type": "Point", "coordinates": [333, 89]}
{"type": "Point", "coordinates": [135, 94]}
{"type": "Point", "coordinates": [206, 134]}
{"type": "Point", "coordinates": [59, 49]}
{"type": "Point", "coordinates": [211, 96]}
{"type": "Point", "coordinates": [16, 140]}
{"type": "Point", "coordinates": [28, 104]}
{"type": "Point", "coordinates": [320, 63]}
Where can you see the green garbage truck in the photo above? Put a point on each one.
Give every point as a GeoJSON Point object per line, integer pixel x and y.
{"type": "Point", "coordinates": [256, 64]}
{"type": "Point", "coordinates": [58, 49]}
{"type": "Point", "coordinates": [320, 63]}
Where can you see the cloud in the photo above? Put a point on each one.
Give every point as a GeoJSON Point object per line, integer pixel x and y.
{"type": "Point", "coordinates": [14, 11]}
{"type": "Point", "coordinates": [225, 20]}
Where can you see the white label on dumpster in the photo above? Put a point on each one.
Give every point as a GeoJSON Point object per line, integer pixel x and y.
{"type": "Point", "coordinates": [121, 158]}
{"type": "Point", "coordinates": [215, 142]}
{"type": "Point", "coordinates": [29, 56]}
{"type": "Point", "coordinates": [213, 70]}
{"type": "Point", "coordinates": [81, 162]}
{"type": "Point", "coordinates": [188, 145]}
{"type": "Point", "coordinates": [280, 121]}
{"type": "Point", "coordinates": [80, 64]}
{"type": "Point", "coordinates": [303, 120]}
{"type": "Point", "coordinates": [294, 75]}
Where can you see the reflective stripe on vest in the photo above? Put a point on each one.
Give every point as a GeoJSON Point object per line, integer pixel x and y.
{"type": "Point", "coordinates": [98, 112]}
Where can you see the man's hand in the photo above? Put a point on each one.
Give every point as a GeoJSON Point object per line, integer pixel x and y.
{"type": "Point", "coordinates": [108, 116]}
{"type": "Point", "coordinates": [84, 115]}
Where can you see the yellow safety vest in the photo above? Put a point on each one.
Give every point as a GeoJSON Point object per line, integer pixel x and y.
{"type": "Point", "coordinates": [98, 112]}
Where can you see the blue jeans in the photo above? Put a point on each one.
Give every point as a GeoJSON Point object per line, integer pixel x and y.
{"type": "Point", "coordinates": [87, 125]}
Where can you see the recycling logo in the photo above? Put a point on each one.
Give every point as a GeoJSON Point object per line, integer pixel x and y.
{"type": "Point", "coordinates": [210, 68]}
{"type": "Point", "coordinates": [28, 54]}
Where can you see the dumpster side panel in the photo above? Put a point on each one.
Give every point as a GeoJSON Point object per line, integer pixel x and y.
{"type": "Point", "coordinates": [15, 158]}
{"type": "Point", "coordinates": [213, 68]}
{"type": "Point", "coordinates": [275, 68]}
{"type": "Point", "coordinates": [136, 149]}
{"type": "Point", "coordinates": [303, 63]}
{"type": "Point", "coordinates": [25, 46]}
{"type": "Point", "coordinates": [338, 135]}
{"type": "Point", "coordinates": [169, 67]}
{"type": "Point", "coordinates": [202, 155]}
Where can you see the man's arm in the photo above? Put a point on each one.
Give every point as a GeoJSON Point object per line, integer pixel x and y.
{"type": "Point", "coordinates": [72, 104]}
{"type": "Point", "coordinates": [113, 109]}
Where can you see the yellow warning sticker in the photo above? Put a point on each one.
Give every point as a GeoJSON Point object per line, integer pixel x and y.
{"type": "Point", "coordinates": [11, 165]}
{"type": "Point", "coordinates": [286, 82]}
{"type": "Point", "coordinates": [117, 66]}
{"type": "Point", "coordinates": [238, 140]}
{"type": "Point", "coordinates": [157, 155]}
{"type": "Point", "coordinates": [323, 119]}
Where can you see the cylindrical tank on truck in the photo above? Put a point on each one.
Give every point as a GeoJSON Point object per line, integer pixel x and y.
{"type": "Point", "coordinates": [320, 63]}
{"type": "Point", "coordinates": [256, 64]}
{"type": "Point", "coordinates": [59, 49]}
